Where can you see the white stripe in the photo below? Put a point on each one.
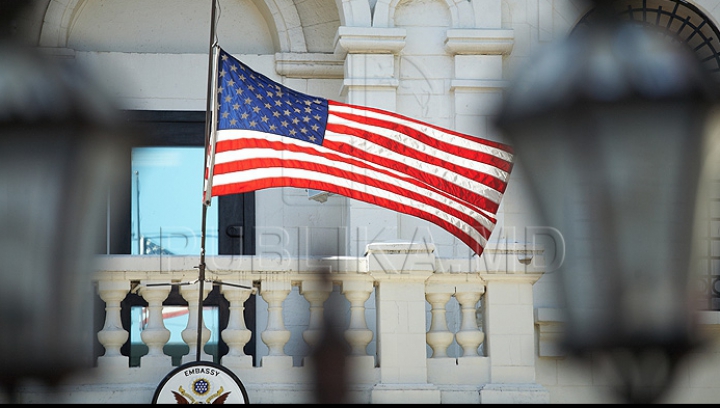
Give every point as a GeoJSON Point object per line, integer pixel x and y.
{"type": "Point", "coordinates": [260, 153]}
{"type": "Point", "coordinates": [435, 133]}
{"type": "Point", "coordinates": [412, 143]}
{"type": "Point", "coordinates": [278, 172]}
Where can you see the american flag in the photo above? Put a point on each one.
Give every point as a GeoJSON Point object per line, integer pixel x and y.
{"type": "Point", "coordinates": [268, 135]}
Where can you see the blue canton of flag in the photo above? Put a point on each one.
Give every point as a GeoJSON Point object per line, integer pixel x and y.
{"type": "Point", "coordinates": [250, 100]}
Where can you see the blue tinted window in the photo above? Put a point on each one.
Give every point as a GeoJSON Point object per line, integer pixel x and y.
{"type": "Point", "coordinates": [167, 185]}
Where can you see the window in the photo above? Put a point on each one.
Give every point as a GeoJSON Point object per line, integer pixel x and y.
{"type": "Point", "coordinates": [166, 202]}
{"type": "Point", "coordinates": [676, 20]}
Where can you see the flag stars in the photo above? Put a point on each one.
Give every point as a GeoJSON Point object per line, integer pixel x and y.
{"type": "Point", "coordinates": [249, 100]}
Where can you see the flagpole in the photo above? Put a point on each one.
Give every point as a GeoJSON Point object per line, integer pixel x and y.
{"type": "Point", "coordinates": [209, 119]}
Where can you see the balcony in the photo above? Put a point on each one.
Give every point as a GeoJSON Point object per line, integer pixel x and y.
{"type": "Point", "coordinates": [419, 329]}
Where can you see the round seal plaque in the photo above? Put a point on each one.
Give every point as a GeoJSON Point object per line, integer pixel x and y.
{"type": "Point", "coordinates": [200, 382]}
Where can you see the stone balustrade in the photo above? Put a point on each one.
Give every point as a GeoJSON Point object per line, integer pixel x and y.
{"type": "Point", "coordinates": [418, 328]}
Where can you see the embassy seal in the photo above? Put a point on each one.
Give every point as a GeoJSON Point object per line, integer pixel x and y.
{"type": "Point", "coordinates": [201, 382]}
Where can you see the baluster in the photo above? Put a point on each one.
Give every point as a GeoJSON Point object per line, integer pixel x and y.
{"type": "Point", "coordinates": [316, 293]}
{"type": "Point", "coordinates": [236, 334]}
{"type": "Point", "coordinates": [357, 335]}
{"type": "Point", "coordinates": [155, 335]}
{"type": "Point", "coordinates": [275, 335]}
{"type": "Point", "coordinates": [189, 334]}
{"type": "Point", "coordinates": [470, 336]}
{"type": "Point", "coordinates": [439, 337]}
{"type": "Point", "coordinates": [113, 336]}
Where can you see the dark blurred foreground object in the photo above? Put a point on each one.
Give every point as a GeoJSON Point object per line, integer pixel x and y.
{"type": "Point", "coordinates": [59, 145]}
{"type": "Point", "coordinates": [609, 125]}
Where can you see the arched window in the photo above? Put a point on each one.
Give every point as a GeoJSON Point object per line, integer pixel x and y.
{"type": "Point", "coordinates": [677, 20]}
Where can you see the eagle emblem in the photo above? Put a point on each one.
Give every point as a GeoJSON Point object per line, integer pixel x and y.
{"type": "Point", "coordinates": [182, 397]}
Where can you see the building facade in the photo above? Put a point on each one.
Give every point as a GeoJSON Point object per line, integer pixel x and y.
{"type": "Point", "coordinates": [408, 288]}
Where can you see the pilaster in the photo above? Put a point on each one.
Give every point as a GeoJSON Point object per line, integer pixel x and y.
{"type": "Point", "coordinates": [401, 269]}
{"type": "Point", "coordinates": [370, 71]}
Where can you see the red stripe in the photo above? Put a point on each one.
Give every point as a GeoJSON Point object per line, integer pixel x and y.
{"type": "Point", "coordinates": [259, 184]}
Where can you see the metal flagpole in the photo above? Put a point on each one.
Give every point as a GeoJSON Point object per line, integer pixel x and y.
{"type": "Point", "coordinates": [209, 121]}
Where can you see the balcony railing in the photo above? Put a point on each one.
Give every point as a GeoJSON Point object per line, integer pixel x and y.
{"type": "Point", "coordinates": [418, 328]}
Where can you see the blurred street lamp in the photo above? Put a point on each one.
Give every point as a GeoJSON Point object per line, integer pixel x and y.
{"type": "Point", "coordinates": [609, 126]}
{"type": "Point", "coordinates": [60, 145]}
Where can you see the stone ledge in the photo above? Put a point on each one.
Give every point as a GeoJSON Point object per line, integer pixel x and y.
{"type": "Point", "coordinates": [480, 41]}
{"type": "Point", "coordinates": [325, 66]}
{"type": "Point", "coordinates": [369, 40]}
